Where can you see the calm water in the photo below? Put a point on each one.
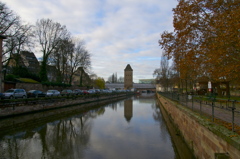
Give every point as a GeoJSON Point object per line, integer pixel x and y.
{"type": "Point", "coordinates": [128, 129]}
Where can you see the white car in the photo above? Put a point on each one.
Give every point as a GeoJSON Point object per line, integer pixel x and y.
{"type": "Point", "coordinates": [52, 93]}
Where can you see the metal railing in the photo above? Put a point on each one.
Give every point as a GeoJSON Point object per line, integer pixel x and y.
{"type": "Point", "coordinates": [13, 103]}
{"type": "Point", "coordinates": [223, 109]}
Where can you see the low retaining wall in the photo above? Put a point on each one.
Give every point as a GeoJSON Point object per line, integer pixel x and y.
{"type": "Point", "coordinates": [206, 139]}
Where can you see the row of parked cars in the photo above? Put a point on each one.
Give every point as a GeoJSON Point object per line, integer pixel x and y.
{"type": "Point", "coordinates": [21, 93]}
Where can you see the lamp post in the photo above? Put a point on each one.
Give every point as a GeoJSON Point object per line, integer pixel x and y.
{"type": "Point", "coordinates": [1, 73]}
{"type": "Point", "coordinates": [210, 87]}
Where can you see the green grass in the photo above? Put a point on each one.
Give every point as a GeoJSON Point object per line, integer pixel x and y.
{"type": "Point", "coordinates": [217, 97]}
{"type": "Point", "coordinates": [27, 80]}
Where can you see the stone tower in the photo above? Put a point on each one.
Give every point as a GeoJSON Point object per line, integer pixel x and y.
{"type": "Point", "coordinates": [128, 77]}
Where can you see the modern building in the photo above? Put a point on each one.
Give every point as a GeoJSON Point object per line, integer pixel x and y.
{"type": "Point", "coordinates": [128, 77]}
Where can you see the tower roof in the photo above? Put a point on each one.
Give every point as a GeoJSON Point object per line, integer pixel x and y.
{"type": "Point", "coordinates": [128, 68]}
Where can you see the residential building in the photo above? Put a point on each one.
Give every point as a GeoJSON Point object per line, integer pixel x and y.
{"type": "Point", "coordinates": [81, 75]}
{"type": "Point", "coordinates": [25, 59]}
{"type": "Point", "coordinates": [51, 73]}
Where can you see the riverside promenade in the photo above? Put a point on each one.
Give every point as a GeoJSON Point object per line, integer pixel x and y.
{"type": "Point", "coordinates": [207, 126]}
{"type": "Point", "coordinates": [220, 112]}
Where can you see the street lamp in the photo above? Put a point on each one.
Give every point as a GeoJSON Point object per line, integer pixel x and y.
{"type": "Point", "coordinates": [209, 86]}
{"type": "Point", "coordinates": [1, 76]}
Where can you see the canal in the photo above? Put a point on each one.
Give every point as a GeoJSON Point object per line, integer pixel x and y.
{"type": "Point", "coordinates": [129, 128]}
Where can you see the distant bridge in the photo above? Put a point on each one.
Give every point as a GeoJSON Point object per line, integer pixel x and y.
{"type": "Point", "coordinates": [136, 86]}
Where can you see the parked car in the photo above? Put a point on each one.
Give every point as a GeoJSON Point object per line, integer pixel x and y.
{"type": "Point", "coordinates": [85, 92]}
{"type": "Point", "coordinates": [104, 91]}
{"type": "Point", "coordinates": [77, 92]}
{"type": "Point", "coordinates": [35, 94]}
{"type": "Point", "coordinates": [107, 91]}
{"type": "Point", "coordinates": [51, 93]}
{"type": "Point", "coordinates": [15, 93]}
{"type": "Point", "coordinates": [91, 91]}
{"type": "Point", "coordinates": [1, 96]}
{"type": "Point", "coordinates": [98, 91]}
{"type": "Point", "coordinates": [66, 92]}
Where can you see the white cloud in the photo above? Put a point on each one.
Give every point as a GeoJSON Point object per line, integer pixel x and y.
{"type": "Point", "coordinates": [116, 32]}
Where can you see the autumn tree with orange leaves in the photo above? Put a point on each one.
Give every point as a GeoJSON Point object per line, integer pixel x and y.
{"type": "Point", "coordinates": [206, 40]}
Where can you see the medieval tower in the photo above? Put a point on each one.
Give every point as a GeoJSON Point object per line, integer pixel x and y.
{"type": "Point", "coordinates": [128, 77]}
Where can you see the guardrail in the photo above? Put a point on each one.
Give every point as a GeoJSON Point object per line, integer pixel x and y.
{"type": "Point", "coordinates": [196, 103]}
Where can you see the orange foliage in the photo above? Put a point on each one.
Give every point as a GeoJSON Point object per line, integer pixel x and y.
{"type": "Point", "coordinates": [206, 39]}
{"type": "Point", "coordinates": [228, 126]}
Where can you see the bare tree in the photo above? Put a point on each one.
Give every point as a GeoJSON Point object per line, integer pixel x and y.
{"type": "Point", "coordinates": [113, 78]}
{"type": "Point", "coordinates": [93, 76]}
{"type": "Point", "coordinates": [48, 35]}
{"type": "Point", "coordinates": [19, 39]}
{"type": "Point", "coordinates": [85, 64]}
{"type": "Point", "coordinates": [120, 80]}
{"type": "Point", "coordinates": [68, 57]}
{"type": "Point", "coordinates": [164, 74]}
{"type": "Point", "coordinates": [7, 19]}
{"type": "Point", "coordinates": [109, 79]}
{"type": "Point", "coordinates": [82, 58]}
{"type": "Point", "coordinates": [19, 35]}
{"type": "Point", "coordinates": [60, 59]}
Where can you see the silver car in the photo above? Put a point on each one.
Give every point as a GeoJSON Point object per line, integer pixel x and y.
{"type": "Point", "coordinates": [51, 93]}
{"type": "Point", "coordinates": [15, 93]}
{"type": "Point", "coordinates": [91, 91]}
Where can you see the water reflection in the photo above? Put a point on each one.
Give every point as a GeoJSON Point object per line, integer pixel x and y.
{"type": "Point", "coordinates": [106, 132]}
{"type": "Point", "coordinates": [128, 109]}
{"type": "Point", "coordinates": [64, 138]}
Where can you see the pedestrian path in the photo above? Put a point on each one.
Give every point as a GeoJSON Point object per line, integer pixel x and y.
{"type": "Point", "coordinates": [215, 112]}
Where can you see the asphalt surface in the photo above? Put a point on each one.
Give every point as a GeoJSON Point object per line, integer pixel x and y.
{"type": "Point", "coordinates": [221, 111]}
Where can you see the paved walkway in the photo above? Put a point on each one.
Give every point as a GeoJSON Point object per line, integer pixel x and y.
{"type": "Point", "coordinates": [221, 111]}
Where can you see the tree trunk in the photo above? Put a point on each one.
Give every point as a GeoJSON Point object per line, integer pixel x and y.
{"type": "Point", "coordinates": [228, 89]}
{"type": "Point", "coordinates": [219, 90]}
{"type": "Point", "coordinates": [186, 85]}
{"type": "Point", "coordinates": [43, 70]}
{"type": "Point", "coordinates": [81, 78]}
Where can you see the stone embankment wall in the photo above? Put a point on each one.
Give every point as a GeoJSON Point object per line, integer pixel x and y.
{"type": "Point", "coordinates": [54, 111]}
{"type": "Point", "coordinates": [205, 138]}
{"type": "Point", "coordinates": [42, 104]}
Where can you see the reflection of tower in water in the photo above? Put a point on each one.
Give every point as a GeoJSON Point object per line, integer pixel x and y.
{"type": "Point", "coordinates": [128, 110]}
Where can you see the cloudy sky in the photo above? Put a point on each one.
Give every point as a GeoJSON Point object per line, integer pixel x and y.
{"type": "Point", "coordinates": [116, 32]}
